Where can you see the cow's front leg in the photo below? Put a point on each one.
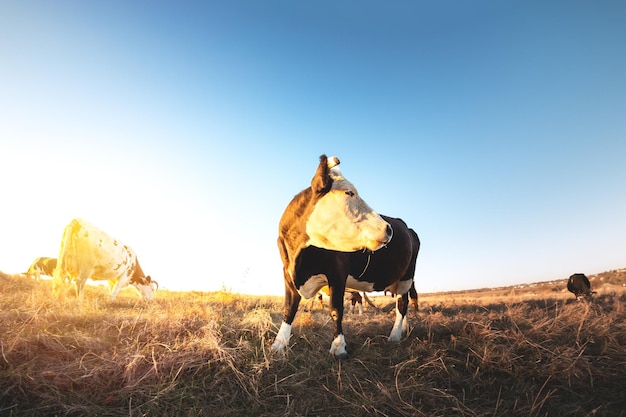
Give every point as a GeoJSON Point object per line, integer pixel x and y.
{"type": "Point", "coordinates": [292, 301]}
{"type": "Point", "coordinates": [338, 346]}
{"type": "Point", "coordinates": [79, 283]}
{"type": "Point", "coordinates": [121, 283]}
{"type": "Point", "coordinates": [401, 309]}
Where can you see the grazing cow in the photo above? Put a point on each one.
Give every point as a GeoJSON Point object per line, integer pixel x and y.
{"type": "Point", "coordinates": [329, 236]}
{"type": "Point", "coordinates": [88, 252]}
{"type": "Point", "coordinates": [355, 299]}
{"type": "Point", "coordinates": [41, 266]}
{"type": "Point", "coordinates": [579, 285]}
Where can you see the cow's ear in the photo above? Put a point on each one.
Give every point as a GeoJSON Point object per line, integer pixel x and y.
{"type": "Point", "coordinates": [322, 181]}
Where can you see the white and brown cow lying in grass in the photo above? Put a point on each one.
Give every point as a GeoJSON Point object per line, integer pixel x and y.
{"type": "Point", "coordinates": [88, 252]}
{"type": "Point", "coordinates": [329, 236]}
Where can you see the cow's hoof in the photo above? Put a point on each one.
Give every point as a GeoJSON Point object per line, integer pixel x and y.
{"type": "Point", "coordinates": [277, 348]}
{"type": "Point", "coordinates": [338, 347]}
{"type": "Point", "coordinates": [394, 339]}
{"type": "Point", "coordinates": [282, 339]}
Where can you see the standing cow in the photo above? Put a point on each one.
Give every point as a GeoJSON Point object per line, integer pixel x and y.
{"type": "Point", "coordinates": [579, 285]}
{"type": "Point", "coordinates": [88, 252]}
{"type": "Point", "coordinates": [41, 266]}
{"type": "Point", "coordinates": [355, 299]}
{"type": "Point", "coordinates": [329, 236]}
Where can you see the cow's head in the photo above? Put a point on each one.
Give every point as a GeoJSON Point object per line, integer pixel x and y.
{"type": "Point", "coordinates": [340, 220]}
{"type": "Point", "coordinates": [146, 287]}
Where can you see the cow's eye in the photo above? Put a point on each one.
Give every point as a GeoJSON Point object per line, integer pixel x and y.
{"type": "Point", "coordinates": [350, 193]}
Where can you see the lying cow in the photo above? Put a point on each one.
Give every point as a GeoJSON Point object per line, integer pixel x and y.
{"type": "Point", "coordinates": [579, 285]}
{"type": "Point", "coordinates": [41, 266]}
{"type": "Point", "coordinates": [329, 236]}
{"type": "Point", "coordinates": [88, 252]}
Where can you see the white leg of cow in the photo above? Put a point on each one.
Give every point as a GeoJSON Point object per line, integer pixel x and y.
{"type": "Point", "coordinates": [338, 347]}
{"type": "Point", "coordinates": [396, 331]}
{"type": "Point", "coordinates": [79, 283]}
{"type": "Point", "coordinates": [282, 338]}
{"type": "Point", "coordinates": [360, 309]}
{"type": "Point", "coordinates": [117, 288]}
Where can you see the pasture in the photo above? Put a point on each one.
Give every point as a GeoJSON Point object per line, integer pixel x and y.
{"type": "Point", "coordinates": [506, 352]}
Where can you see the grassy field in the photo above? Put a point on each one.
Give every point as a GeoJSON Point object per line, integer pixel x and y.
{"type": "Point", "coordinates": [530, 351]}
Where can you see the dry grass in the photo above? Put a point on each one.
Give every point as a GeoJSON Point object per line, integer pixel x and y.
{"type": "Point", "coordinates": [201, 354]}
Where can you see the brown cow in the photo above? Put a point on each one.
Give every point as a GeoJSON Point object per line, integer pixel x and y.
{"type": "Point", "coordinates": [329, 236]}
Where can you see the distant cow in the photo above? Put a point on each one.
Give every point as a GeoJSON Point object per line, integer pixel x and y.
{"type": "Point", "coordinates": [41, 266]}
{"type": "Point", "coordinates": [329, 236]}
{"type": "Point", "coordinates": [579, 285]}
{"type": "Point", "coordinates": [354, 297]}
{"type": "Point", "coordinates": [88, 252]}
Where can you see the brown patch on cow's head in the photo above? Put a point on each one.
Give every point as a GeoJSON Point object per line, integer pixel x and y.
{"type": "Point", "coordinates": [143, 283]}
{"type": "Point", "coordinates": [145, 286]}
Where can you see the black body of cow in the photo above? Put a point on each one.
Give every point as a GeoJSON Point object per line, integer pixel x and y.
{"type": "Point", "coordinates": [579, 285]}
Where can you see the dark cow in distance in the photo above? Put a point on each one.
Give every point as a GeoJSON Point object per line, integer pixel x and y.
{"type": "Point", "coordinates": [579, 285]}
{"type": "Point", "coordinates": [41, 266]}
{"type": "Point", "coordinates": [329, 236]}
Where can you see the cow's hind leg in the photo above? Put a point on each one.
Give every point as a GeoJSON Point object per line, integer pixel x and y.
{"type": "Point", "coordinates": [338, 346]}
{"type": "Point", "coordinates": [401, 309]}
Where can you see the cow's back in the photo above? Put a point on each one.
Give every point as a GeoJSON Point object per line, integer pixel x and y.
{"type": "Point", "coordinates": [88, 252]}
{"type": "Point", "coordinates": [579, 284]}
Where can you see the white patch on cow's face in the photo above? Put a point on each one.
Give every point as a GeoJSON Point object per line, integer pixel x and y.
{"type": "Point", "coordinates": [342, 221]}
{"type": "Point", "coordinates": [146, 291]}
{"type": "Point", "coordinates": [364, 286]}
{"type": "Point", "coordinates": [312, 286]}
{"type": "Point", "coordinates": [332, 162]}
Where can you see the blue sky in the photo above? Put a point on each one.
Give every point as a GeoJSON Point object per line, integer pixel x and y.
{"type": "Point", "coordinates": [495, 129]}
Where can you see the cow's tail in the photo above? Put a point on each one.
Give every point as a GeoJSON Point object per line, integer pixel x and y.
{"type": "Point", "coordinates": [367, 299]}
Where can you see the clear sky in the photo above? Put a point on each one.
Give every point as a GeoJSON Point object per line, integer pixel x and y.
{"type": "Point", "coordinates": [495, 129]}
